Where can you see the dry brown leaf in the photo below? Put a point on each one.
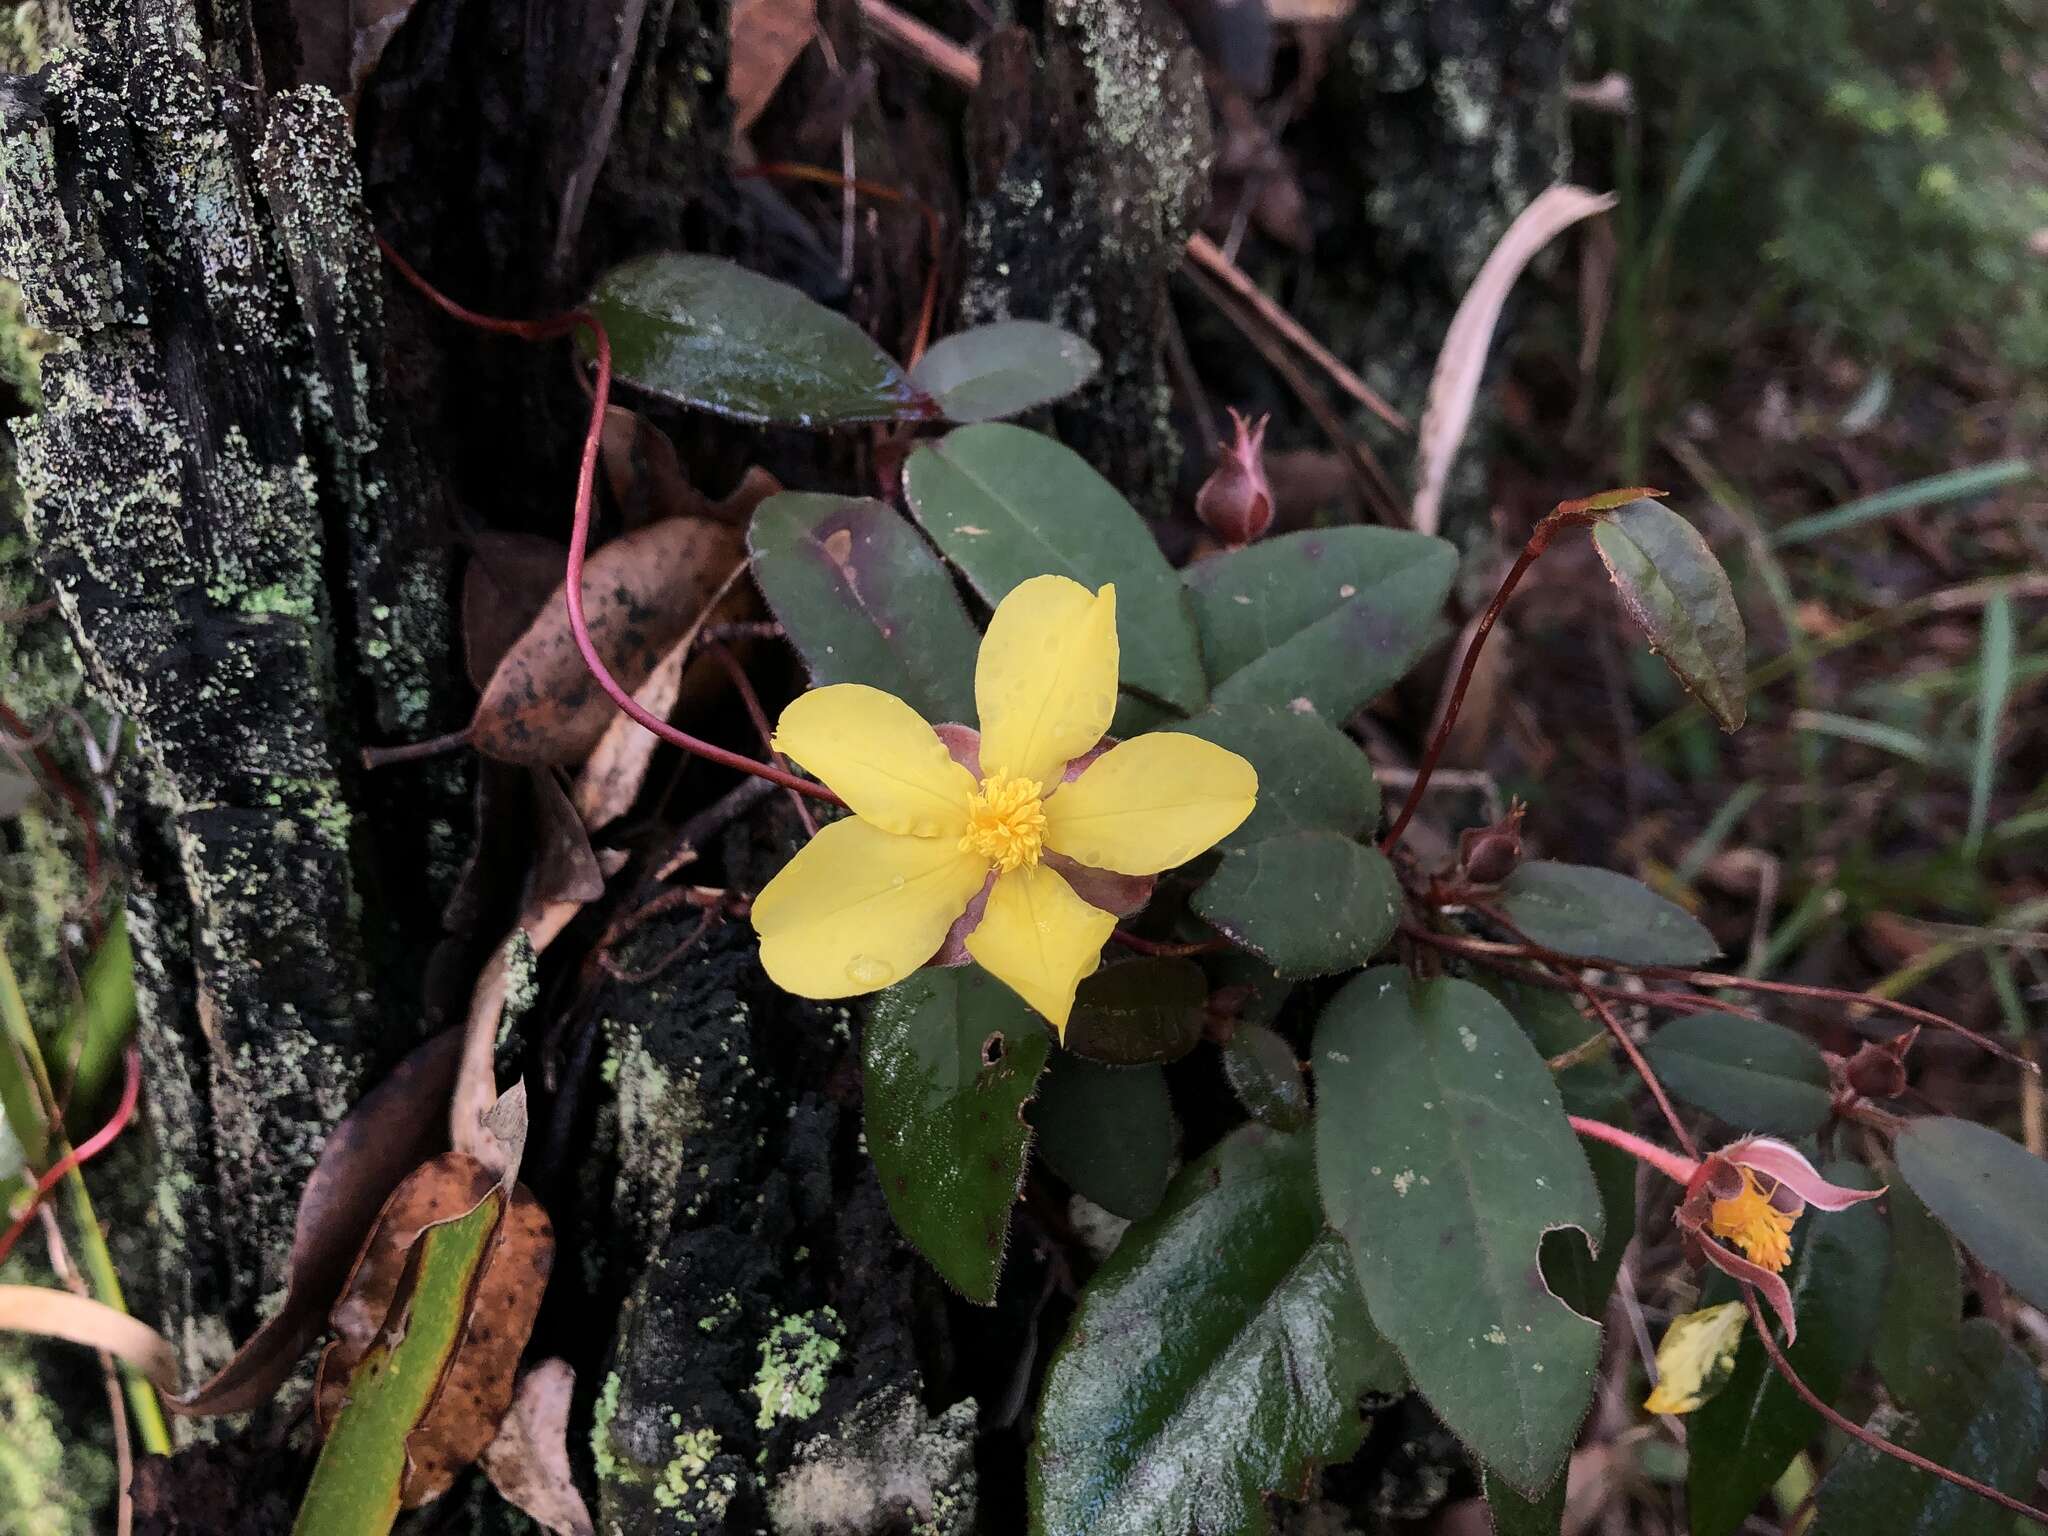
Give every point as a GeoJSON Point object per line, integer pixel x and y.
{"type": "Point", "coordinates": [1461, 362]}
{"type": "Point", "coordinates": [53, 1313]}
{"type": "Point", "coordinates": [528, 1461]}
{"type": "Point", "coordinates": [395, 1128]}
{"type": "Point", "coordinates": [645, 475]}
{"type": "Point", "coordinates": [564, 864]}
{"type": "Point", "coordinates": [509, 577]}
{"type": "Point", "coordinates": [542, 708]}
{"type": "Point", "coordinates": [767, 37]}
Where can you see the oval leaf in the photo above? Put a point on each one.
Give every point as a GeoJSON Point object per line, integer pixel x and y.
{"type": "Point", "coordinates": [1333, 615]}
{"type": "Point", "coordinates": [1986, 1421]}
{"type": "Point", "coordinates": [1923, 1300]}
{"type": "Point", "coordinates": [702, 331]}
{"type": "Point", "coordinates": [864, 600]}
{"type": "Point", "coordinates": [1753, 1075]}
{"type": "Point", "coordinates": [1264, 1074]}
{"type": "Point", "coordinates": [1108, 1131]}
{"type": "Point", "coordinates": [1216, 1356]}
{"type": "Point", "coordinates": [1310, 773]}
{"type": "Point", "coordinates": [1988, 1190]}
{"type": "Point", "coordinates": [1312, 903]}
{"type": "Point", "coordinates": [1675, 589]}
{"type": "Point", "coordinates": [1444, 1156]}
{"type": "Point", "coordinates": [1005, 505]}
{"type": "Point", "coordinates": [1139, 1011]}
{"type": "Point", "coordinates": [999, 370]}
{"type": "Point", "coordinates": [1742, 1439]}
{"type": "Point", "coordinates": [948, 1059]}
{"type": "Point", "coordinates": [1578, 909]}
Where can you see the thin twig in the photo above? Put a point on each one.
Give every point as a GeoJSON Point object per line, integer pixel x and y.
{"type": "Point", "coordinates": [1169, 951]}
{"type": "Point", "coordinates": [1871, 1438]}
{"type": "Point", "coordinates": [752, 701]}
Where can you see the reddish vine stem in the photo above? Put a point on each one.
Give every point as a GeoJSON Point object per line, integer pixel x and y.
{"type": "Point", "coordinates": [1164, 950]}
{"type": "Point", "coordinates": [1539, 541]}
{"type": "Point", "coordinates": [1675, 1168]}
{"type": "Point", "coordinates": [1871, 1438]}
{"type": "Point", "coordinates": [549, 329]}
{"type": "Point", "coordinates": [84, 1152]}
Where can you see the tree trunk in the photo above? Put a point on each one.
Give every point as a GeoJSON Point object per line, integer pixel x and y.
{"type": "Point", "coordinates": [255, 467]}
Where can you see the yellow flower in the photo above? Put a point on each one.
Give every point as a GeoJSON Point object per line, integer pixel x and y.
{"type": "Point", "coordinates": [1756, 1226]}
{"type": "Point", "coordinates": [871, 898]}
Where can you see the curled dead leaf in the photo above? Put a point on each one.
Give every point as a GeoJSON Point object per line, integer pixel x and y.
{"type": "Point", "coordinates": [528, 1460]}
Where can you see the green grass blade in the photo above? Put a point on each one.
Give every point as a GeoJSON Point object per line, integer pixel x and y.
{"type": "Point", "coordinates": [1931, 492]}
{"type": "Point", "coordinates": [1994, 688]}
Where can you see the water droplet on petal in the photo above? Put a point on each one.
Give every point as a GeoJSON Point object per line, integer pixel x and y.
{"type": "Point", "coordinates": [867, 971]}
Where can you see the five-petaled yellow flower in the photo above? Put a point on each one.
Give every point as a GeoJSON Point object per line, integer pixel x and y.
{"type": "Point", "coordinates": [873, 897]}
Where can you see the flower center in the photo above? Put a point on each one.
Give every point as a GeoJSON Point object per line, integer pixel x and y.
{"type": "Point", "coordinates": [1753, 1224]}
{"type": "Point", "coordinates": [1005, 822]}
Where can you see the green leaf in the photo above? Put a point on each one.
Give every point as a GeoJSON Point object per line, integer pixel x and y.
{"type": "Point", "coordinates": [1005, 505]}
{"type": "Point", "coordinates": [701, 331]}
{"type": "Point", "coordinates": [1310, 773]}
{"type": "Point", "coordinates": [1217, 1355]}
{"type": "Point", "coordinates": [1312, 903]}
{"type": "Point", "coordinates": [1675, 589]}
{"type": "Point", "coordinates": [21, 1101]}
{"type": "Point", "coordinates": [1988, 1190]}
{"type": "Point", "coordinates": [1754, 1075]}
{"type": "Point", "coordinates": [1741, 1440]}
{"type": "Point", "coordinates": [1262, 1071]}
{"type": "Point", "coordinates": [1582, 910]}
{"type": "Point", "coordinates": [1987, 1421]}
{"type": "Point", "coordinates": [1513, 1515]}
{"type": "Point", "coordinates": [1002, 369]}
{"type": "Point", "coordinates": [1108, 1131]}
{"type": "Point", "coordinates": [1923, 1300]}
{"type": "Point", "coordinates": [356, 1482]}
{"type": "Point", "coordinates": [864, 600]}
{"type": "Point", "coordinates": [1333, 615]}
{"type": "Point", "coordinates": [1444, 1157]}
{"type": "Point", "coordinates": [948, 1058]}
{"type": "Point", "coordinates": [1138, 1011]}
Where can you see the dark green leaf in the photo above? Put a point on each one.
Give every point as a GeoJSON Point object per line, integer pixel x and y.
{"type": "Point", "coordinates": [1554, 1025]}
{"type": "Point", "coordinates": [1986, 1421]}
{"type": "Point", "coordinates": [1582, 910]}
{"type": "Point", "coordinates": [1674, 588]}
{"type": "Point", "coordinates": [1444, 1157]}
{"type": "Point", "coordinates": [1754, 1075]}
{"type": "Point", "coordinates": [1923, 1300]}
{"type": "Point", "coordinates": [948, 1059]}
{"type": "Point", "coordinates": [864, 600]}
{"type": "Point", "coordinates": [1001, 369]}
{"type": "Point", "coordinates": [1513, 1515]}
{"type": "Point", "coordinates": [1005, 505]}
{"type": "Point", "coordinates": [1312, 903]}
{"type": "Point", "coordinates": [704, 332]}
{"type": "Point", "coordinates": [1108, 1131]}
{"type": "Point", "coordinates": [1332, 615]}
{"type": "Point", "coordinates": [1989, 1191]}
{"type": "Point", "coordinates": [1742, 1438]}
{"type": "Point", "coordinates": [1217, 1356]}
{"type": "Point", "coordinates": [1310, 773]}
{"type": "Point", "coordinates": [1264, 1074]}
{"type": "Point", "coordinates": [1138, 1011]}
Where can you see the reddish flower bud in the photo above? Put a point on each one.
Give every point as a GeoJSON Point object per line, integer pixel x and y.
{"type": "Point", "coordinates": [1878, 1069]}
{"type": "Point", "coordinates": [1235, 503]}
{"type": "Point", "coordinates": [1488, 855]}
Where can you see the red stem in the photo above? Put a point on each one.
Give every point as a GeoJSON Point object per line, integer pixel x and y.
{"type": "Point", "coordinates": [1678, 1169]}
{"type": "Point", "coordinates": [579, 535]}
{"type": "Point", "coordinates": [85, 1151]}
{"type": "Point", "coordinates": [1538, 542]}
{"type": "Point", "coordinates": [1870, 1438]}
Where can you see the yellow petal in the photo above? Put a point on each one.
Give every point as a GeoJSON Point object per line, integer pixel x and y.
{"type": "Point", "coordinates": [859, 908]}
{"type": "Point", "coordinates": [880, 757]}
{"type": "Point", "coordinates": [1150, 803]}
{"type": "Point", "coordinates": [1696, 1357]}
{"type": "Point", "coordinates": [1039, 939]}
{"type": "Point", "coordinates": [1046, 681]}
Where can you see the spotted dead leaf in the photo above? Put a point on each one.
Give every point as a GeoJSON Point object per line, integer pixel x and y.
{"type": "Point", "coordinates": [508, 579]}
{"type": "Point", "coordinates": [542, 708]}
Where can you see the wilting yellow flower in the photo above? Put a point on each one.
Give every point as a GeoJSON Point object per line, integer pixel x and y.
{"type": "Point", "coordinates": [872, 897]}
{"type": "Point", "coordinates": [1696, 1357]}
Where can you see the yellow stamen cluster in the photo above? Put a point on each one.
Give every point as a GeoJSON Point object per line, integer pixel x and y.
{"type": "Point", "coordinates": [1005, 822]}
{"type": "Point", "coordinates": [1753, 1224]}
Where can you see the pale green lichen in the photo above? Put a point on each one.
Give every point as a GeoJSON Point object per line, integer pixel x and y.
{"type": "Point", "coordinates": [683, 1481]}
{"type": "Point", "coordinates": [52, 1482]}
{"type": "Point", "coordinates": [609, 1466]}
{"type": "Point", "coordinates": [796, 1358]}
